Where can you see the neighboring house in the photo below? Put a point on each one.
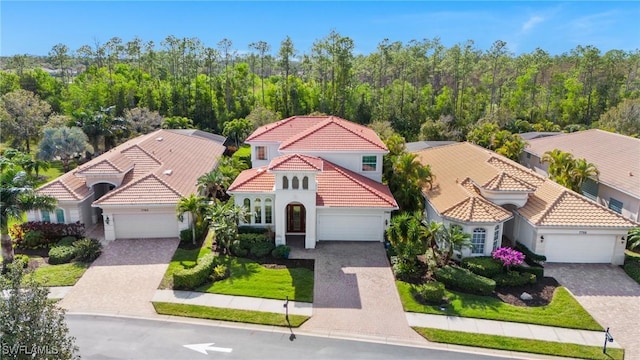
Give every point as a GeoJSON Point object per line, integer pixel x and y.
{"type": "Point", "coordinates": [490, 196]}
{"type": "Point", "coordinates": [537, 135]}
{"type": "Point", "coordinates": [421, 145]}
{"type": "Point", "coordinates": [133, 188]}
{"type": "Point", "coordinates": [317, 177]}
{"type": "Point", "coordinates": [616, 156]}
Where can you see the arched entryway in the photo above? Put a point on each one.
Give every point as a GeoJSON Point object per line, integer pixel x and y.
{"type": "Point", "coordinates": [296, 218]}
{"type": "Point", "coordinates": [99, 190]}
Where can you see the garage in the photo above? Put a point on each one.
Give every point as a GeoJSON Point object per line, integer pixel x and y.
{"type": "Point", "coordinates": [579, 248]}
{"type": "Point", "coordinates": [350, 227]}
{"type": "Point", "coordinates": [134, 226]}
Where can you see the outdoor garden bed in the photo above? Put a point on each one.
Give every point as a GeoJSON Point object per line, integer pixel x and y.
{"type": "Point", "coordinates": [541, 292]}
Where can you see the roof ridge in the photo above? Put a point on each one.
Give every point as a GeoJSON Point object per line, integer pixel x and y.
{"type": "Point", "coordinates": [267, 129]}
{"type": "Point", "coordinates": [551, 207]}
{"type": "Point", "coordinates": [303, 158]}
{"type": "Point", "coordinates": [321, 125]}
{"type": "Point", "coordinates": [144, 151]}
{"type": "Point", "coordinates": [370, 189]}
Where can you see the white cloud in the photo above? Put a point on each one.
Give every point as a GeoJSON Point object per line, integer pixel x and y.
{"type": "Point", "coordinates": [533, 21]}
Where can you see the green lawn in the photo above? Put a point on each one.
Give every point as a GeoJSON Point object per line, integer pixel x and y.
{"type": "Point", "coordinates": [249, 278]}
{"type": "Point", "coordinates": [516, 344]}
{"type": "Point", "coordinates": [563, 311]}
{"type": "Point", "coordinates": [60, 275]}
{"type": "Point", "coordinates": [245, 316]}
{"type": "Point", "coordinates": [244, 150]}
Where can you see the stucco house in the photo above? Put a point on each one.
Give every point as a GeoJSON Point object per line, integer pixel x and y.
{"type": "Point", "coordinates": [616, 156]}
{"type": "Point", "coordinates": [133, 188]}
{"type": "Point", "coordinates": [318, 177]}
{"type": "Point", "coordinates": [490, 196]}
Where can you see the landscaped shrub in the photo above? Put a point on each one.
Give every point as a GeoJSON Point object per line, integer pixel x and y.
{"type": "Point", "coordinates": [21, 257]}
{"type": "Point", "coordinates": [531, 258]}
{"type": "Point", "coordinates": [536, 270]}
{"type": "Point", "coordinates": [406, 268]}
{"type": "Point", "coordinates": [632, 268]}
{"type": "Point", "coordinates": [220, 272]}
{"type": "Point", "coordinates": [431, 292]}
{"type": "Point", "coordinates": [87, 250]}
{"type": "Point", "coordinates": [186, 235]}
{"type": "Point", "coordinates": [514, 278]}
{"type": "Point", "coordinates": [464, 280]}
{"type": "Point", "coordinates": [67, 241]}
{"type": "Point", "coordinates": [61, 254]}
{"type": "Point", "coordinates": [33, 240]}
{"type": "Point", "coordinates": [51, 232]}
{"type": "Point", "coordinates": [189, 279]}
{"type": "Point", "coordinates": [483, 266]}
{"type": "Point", "coordinates": [261, 249]}
{"type": "Point", "coordinates": [240, 249]}
{"type": "Point", "coordinates": [508, 257]}
{"type": "Point", "coordinates": [251, 230]}
{"type": "Point", "coordinates": [281, 252]}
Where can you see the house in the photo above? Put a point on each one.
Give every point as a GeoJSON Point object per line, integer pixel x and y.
{"type": "Point", "coordinates": [318, 177]}
{"type": "Point", "coordinates": [491, 197]}
{"type": "Point", "coordinates": [133, 188]}
{"type": "Point", "coordinates": [425, 144]}
{"type": "Point", "coordinates": [616, 156]}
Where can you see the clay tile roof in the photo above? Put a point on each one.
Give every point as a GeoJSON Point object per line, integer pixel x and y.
{"type": "Point", "coordinates": [295, 162]}
{"type": "Point", "coordinates": [333, 134]}
{"type": "Point", "coordinates": [284, 129]}
{"type": "Point", "coordinates": [616, 156]}
{"type": "Point", "coordinates": [253, 180]}
{"type": "Point", "coordinates": [116, 164]}
{"type": "Point", "coordinates": [146, 190]}
{"type": "Point", "coordinates": [66, 188]}
{"type": "Point", "coordinates": [458, 167]}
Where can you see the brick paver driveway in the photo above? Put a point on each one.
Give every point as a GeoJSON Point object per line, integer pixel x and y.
{"type": "Point", "coordinates": [355, 293]}
{"type": "Point", "coordinates": [123, 279]}
{"type": "Point", "coordinates": [609, 295]}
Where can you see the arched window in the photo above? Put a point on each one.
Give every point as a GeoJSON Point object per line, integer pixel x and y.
{"type": "Point", "coordinates": [477, 240]}
{"type": "Point", "coordinates": [46, 217]}
{"type": "Point", "coordinates": [496, 235]}
{"type": "Point", "coordinates": [60, 216]}
{"type": "Point", "coordinates": [257, 210]}
{"type": "Point", "coordinates": [285, 182]}
{"type": "Point", "coordinates": [295, 183]}
{"type": "Point", "coordinates": [305, 182]}
{"type": "Point", "coordinates": [247, 205]}
{"type": "Point", "coordinates": [268, 217]}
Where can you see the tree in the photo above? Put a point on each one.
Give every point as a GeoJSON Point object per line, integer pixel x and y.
{"type": "Point", "coordinates": [63, 143]}
{"type": "Point", "coordinates": [633, 239]}
{"type": "Point", "coordinates": [22, 114]}
{"type": "Point", "coordinates": [263, 48]}
{"type": "Point", "coordinates": [223, 219]}
{"type": "Point", "coordinates": [29, 320]}
{"type": "Point", "coordinates": [262, 116]}
{"type": "Point", "coordinates": [237, 129]}
{"type": "Point", "coordinates": [623, 118]}
{"type": "Point", "coordinates": [59, 55]}
{"type": "Point", "coordinates": [453, 238]}
{"type": "Point", "coordinates": [142, 120]}
{"type": "Point", "coordinates": [212, 184]}
{"type": "Point", "coordinates": [15, 199]}
{"type": "Point", "coordinates": [193, 205]}
{"type": "Point", "coordinates": [177, 122]}
{"type": "Point", "coordinates": [567, 171]}
{"type": "Point", "coordinates": [581, 171]}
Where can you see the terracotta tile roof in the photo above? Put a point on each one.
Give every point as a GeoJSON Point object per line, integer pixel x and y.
{"type": "Point", "coordinates": [147, 190]}
{"type": "Point", "coordinates": [319, 133]}
{"type": "Point", "coordinates": [458, 167]}
{"type": "Point", "coordinates": [295, 162]}
{"type": "Point", "coordinates": [174, 158]}
{"type": "Point", "coordinates": [337, 187]}
{"type": "Point", "coordinates": [616, 156]}
{"type": "Point", "coordinates": [254, 180]}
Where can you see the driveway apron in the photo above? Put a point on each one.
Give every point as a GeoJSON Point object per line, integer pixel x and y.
{"type": "Point", "coordinates": [355, 293]}
{"type": "Point", "coordinates": [123, 279]}
{"type": "Point", "coordinates": [609, 295]}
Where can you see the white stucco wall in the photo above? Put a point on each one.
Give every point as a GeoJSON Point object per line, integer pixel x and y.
{"type": "Point", "coordinates": [139, 213]}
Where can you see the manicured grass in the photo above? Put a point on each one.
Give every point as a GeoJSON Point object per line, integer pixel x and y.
{"type": "Point", "coordinates": [516, 344]}
{"type": "Point", "coordinates": [563, 311]}
{"type": "Point", "coordinates": [60, 275]}
{"type": "Point", "coordinates": [245, 316]}
{"type": "Point", "coordinates": [185, 258]}
{"type": "Point", "coordinates": [249, 278]}
{"type": "Point", "coordinates": [244, 150]}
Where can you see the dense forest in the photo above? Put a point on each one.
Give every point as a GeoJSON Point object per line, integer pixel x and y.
{"type": "Point", "coordinates": [424, 90]}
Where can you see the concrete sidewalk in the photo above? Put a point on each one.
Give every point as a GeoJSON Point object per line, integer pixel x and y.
{"type": "Point", "coordinates": [232, 302]}
{"type": "Point", "coordinates": [509, 329]}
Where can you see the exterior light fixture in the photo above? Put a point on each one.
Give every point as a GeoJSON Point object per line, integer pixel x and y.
{"type": "Point", "coordinates": [541, 238]}
{"type": "Point", "coordinates": [107, 220]}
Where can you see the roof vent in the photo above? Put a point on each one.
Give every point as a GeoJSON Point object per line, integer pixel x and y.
{"type": "Point", "coordinates": [168, 172]}
{"type": "Point", "coordinates": [159, 138]}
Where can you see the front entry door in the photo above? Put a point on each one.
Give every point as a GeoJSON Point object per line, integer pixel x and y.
{"type": "Point", "coordinates": [295, 218]}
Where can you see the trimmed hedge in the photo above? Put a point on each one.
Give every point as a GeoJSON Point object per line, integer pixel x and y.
{"type": "Point", "coordinates": [530, 256]}
{"type": "Point", "coordinates": [251, 230]}
{"type": "Point", "coordinates": [61, 254]}
{"type": "Point", "coordinates": [281, 252]}
{"type": "Point", "coordinates": [514, 278]}
{"type": "Point", "coordinates": [50, 233]}
{"type": "Point", "coordinates": [431, 292]}
{"type": "Point", "coordinates": [67, 241]}
{"type": "Point", "coordinates": [189, 279]}
{"type": "Point", "coordinates": [261, 249]}
{"type": "Point", "coordinates": [483, 266]}
{"type": "Point", "coordinates": [536, 270]}
{"type": "Point", "coordinates": [464, 280]}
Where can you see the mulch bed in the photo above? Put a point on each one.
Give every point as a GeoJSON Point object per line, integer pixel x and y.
{"type": "Point", "coordinates": [541, 291]}
{"type": "Point", "coordinates": [271, 263]}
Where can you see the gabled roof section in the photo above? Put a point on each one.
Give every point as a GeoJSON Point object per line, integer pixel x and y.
{"type": "Point", "coordinates": [478, 210]}
{"type": "Point", "coordinates": [117, 164]}
{"type": "Point", "coordinates": [284, 129]}
{"type": "Point", "coordinates": [616, 156]}
{"type": "Point", "coordinates": [506, 182]}
{"type": "Point", "coordinates": [334, 134]}
{"type": "Point", "coordinates": [147, 190]}
{"type": "Point", "coordinates": [295, 162]}
{"type": "Point", "coordinates": [66, 188]}
{"type": "Point", "coordinates": [253, 180]}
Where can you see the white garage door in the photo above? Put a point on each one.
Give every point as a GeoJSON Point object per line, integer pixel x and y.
{"type": "Point", "coordinates": [350, 227]}
{"type": "Point", "coordinates": [134, 226]}
{"type": "Point", "coordinates": [579, 248]}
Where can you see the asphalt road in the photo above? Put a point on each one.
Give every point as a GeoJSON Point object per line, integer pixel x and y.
{"type": "Point", "coordinates": [100, 337]}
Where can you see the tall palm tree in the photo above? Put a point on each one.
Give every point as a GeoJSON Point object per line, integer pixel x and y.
{"type": "Point", "coordinates": [223, 220]}
{"type": "Point", "coordinates": [581, 171]}
{"type": "Point", "coordinates": [194, 205]}
{"type": "Point", "coordinates": [453, 238]}
{"type": "Point", "coordinates": [560, 165]}
{"type": "Point", "coordinates": [408, 179]}
{"type": "Point", "coordinates": [14, 201]}
{"type": "Point", "coordinates": [212, 183]}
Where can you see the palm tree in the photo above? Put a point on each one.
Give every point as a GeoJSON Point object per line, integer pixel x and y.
{"type": "Point", "coordinates": [453, 238]}
{"type": "Point", "coordinates": [581, 171]}
{"type": "Point", "coordinates": [212, 183]}
{"type": "Point", "coordinates": [13, 202]}
{"type": "Point", "coordinates": [433, 232]}
{"type": "Point", "coordinates": [560, 165]}
{"type": "Point", "coordinates": [223, 220]}
{"type": "Point", "coordinates": [194, 206]}
{"type": "Point", "coordinates": [407, 180]}
{"type": "Point", "coordinates": [633, 238]}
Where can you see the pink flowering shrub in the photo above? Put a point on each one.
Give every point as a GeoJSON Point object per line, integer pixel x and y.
{"type": "Point", "coordinates": [508, 256]}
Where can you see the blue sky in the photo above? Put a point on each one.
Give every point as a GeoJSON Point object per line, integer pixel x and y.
{"type": "Point", "coordinates": [33, 27]}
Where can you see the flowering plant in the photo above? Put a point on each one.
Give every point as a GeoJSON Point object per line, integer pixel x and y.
{"type": "Point", "coordinates": [508, 256]}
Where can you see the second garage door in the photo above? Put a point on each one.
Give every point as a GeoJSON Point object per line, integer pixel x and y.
{"type": "Point", "coordinates": [344, 227]}
{"type": "Point", "coordinates": [135, 226]}
{"type": "Point", "coordinates": [579, 248]}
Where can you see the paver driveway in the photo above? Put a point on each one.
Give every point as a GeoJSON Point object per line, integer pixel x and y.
{"type": "Point", "coordinates": [609, 295]}
{"type": "Point", "coordinates": [123, 279]}
{"type": "Point", "coordinates": [355, 293]}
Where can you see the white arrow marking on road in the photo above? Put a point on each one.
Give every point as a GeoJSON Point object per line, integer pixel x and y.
{"type": "Point", "coordinates": [202, 348]}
